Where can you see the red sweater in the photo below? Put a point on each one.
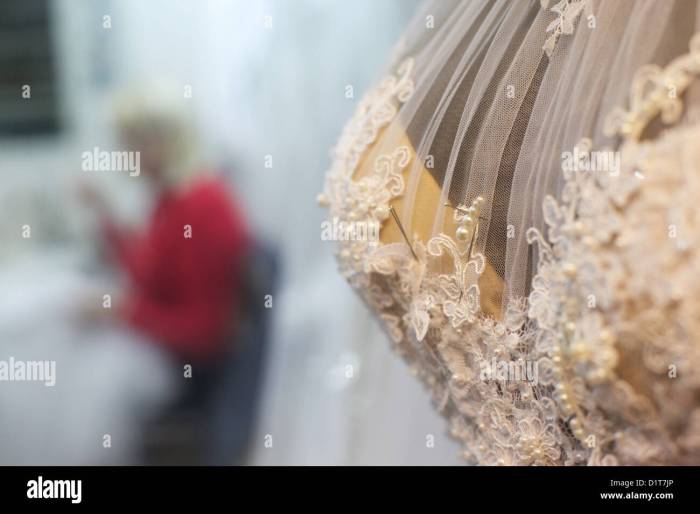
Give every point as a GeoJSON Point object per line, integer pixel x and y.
{"type": "Point", "coordinates": [185, 270]}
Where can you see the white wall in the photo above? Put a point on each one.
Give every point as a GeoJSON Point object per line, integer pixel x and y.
{"type": "Point", "coordinates": [256, 91]}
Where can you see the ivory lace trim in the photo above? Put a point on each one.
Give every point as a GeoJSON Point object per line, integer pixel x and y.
{"type": "Point", "coordinates": [596, 326]}
{"type": "Point", "coordinates": [655, 91]}
{"type": "Point", "coordinates": [567, 11]}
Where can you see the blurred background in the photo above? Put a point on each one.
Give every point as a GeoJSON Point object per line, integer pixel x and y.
{"type": "Point", "coordinates": [303, 375]}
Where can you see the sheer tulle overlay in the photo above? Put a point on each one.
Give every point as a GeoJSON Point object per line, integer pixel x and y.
{"type": "Point", "coordinates": [531, 168]}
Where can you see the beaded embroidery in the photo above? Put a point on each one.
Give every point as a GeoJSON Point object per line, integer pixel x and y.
{"type": "Point", "coordinates": [607, 283]}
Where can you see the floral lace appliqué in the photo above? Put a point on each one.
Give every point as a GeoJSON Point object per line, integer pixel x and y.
{"type": "Point", "coordinates": [616, 263]}
{"type": "Point", "coordinates": [655, 90]}
{"type": "Point", "coordinates": [567, 12]}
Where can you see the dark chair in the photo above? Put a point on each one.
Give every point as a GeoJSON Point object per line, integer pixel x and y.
{"type": "Point", "coordinates": [216, 429]}
{"type": "Point", "coordinates": [235, 400]}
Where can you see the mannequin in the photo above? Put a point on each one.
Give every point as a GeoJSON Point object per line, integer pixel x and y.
{"type": "Point", "coordinates": [494, 255]}
{"type": "Point", "coordinates": [427, 200]}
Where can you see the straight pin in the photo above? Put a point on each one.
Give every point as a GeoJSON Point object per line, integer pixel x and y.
{"type": "Point", "coordinates": [403, 232]}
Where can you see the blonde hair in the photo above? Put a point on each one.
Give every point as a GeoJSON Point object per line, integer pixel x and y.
{"type": "Point", "coordinates": [158, 111]}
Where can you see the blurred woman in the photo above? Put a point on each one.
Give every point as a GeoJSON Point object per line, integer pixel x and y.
{"type": "Point", "coordinates": [184, 267]}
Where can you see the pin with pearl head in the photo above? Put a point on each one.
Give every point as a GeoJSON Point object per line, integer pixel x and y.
{"type": "Point", "coordinates": [468, 228]}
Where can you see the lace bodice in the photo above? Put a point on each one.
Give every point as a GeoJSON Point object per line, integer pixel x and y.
{"type": "Point", "coordinates": [598, 364]}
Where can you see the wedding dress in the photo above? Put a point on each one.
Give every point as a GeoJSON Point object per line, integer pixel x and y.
{"type": "Point", "coordinates": [532, 168]}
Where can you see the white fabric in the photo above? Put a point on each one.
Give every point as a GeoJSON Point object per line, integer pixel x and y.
{"type": "Point", "coordinates": [107, 378]}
